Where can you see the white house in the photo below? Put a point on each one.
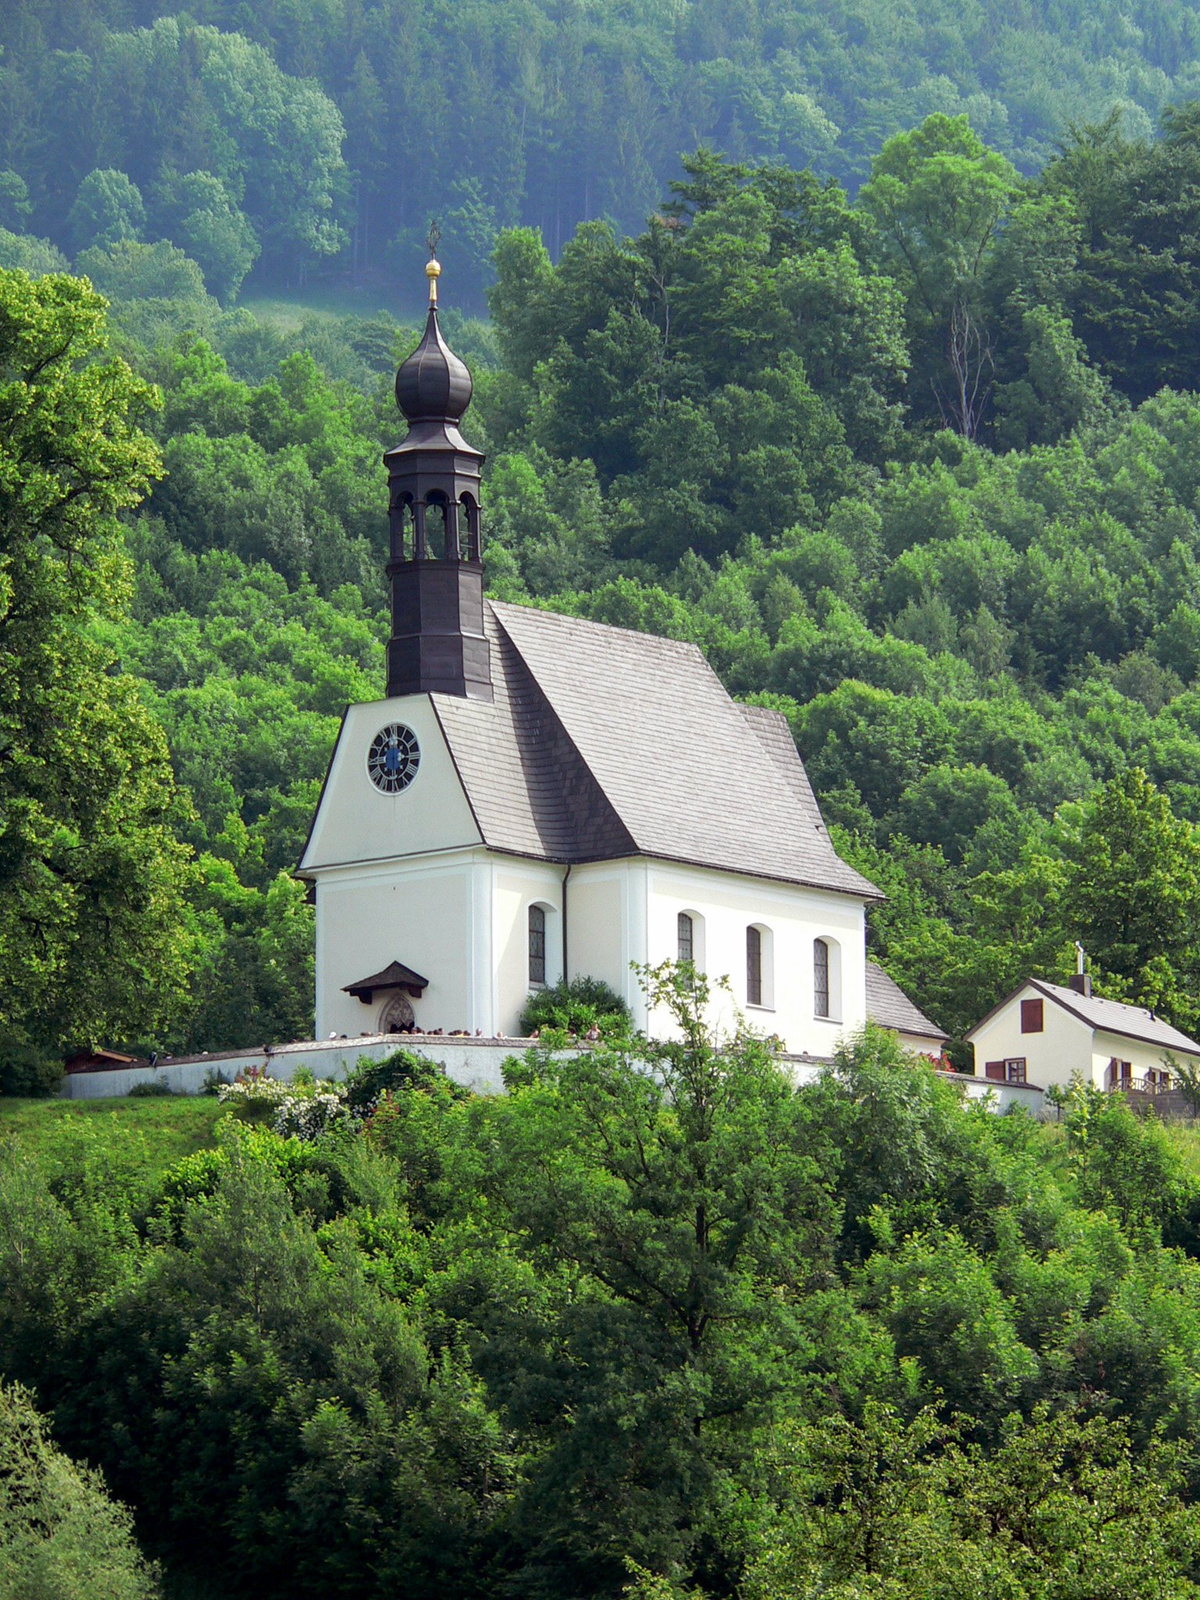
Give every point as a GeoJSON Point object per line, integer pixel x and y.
{"type": "Point", "coordinates": [540, 795]}
{"type": "Point", "coordinates": [1045, 1033]}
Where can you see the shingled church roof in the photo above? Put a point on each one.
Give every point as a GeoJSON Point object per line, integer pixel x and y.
{"type": "Point", "coordinates": [890, 1007]}
{"type": "Point", "coordinates": [602, 742]}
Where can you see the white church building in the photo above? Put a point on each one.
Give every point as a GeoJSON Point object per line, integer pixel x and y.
{"type": "Point", "coordinates": [539, 795]}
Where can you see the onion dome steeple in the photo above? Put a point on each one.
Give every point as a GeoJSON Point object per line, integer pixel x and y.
{"type": "Point", "coordinates": [433, 385]}
{"type": "Point", "coordinates": [436, 574]}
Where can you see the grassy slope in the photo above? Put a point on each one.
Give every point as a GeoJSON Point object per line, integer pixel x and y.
{"type": "Point", "coordinates": [287, 310]}
{"type": "Point", "coordinates": [163, 1130]}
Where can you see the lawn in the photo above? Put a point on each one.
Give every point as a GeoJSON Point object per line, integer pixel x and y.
{"type": "Point", "coordinates": [150, 1133]}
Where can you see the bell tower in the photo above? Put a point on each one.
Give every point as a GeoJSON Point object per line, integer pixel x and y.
{"type": "Point", "coordinates": [435, 572]}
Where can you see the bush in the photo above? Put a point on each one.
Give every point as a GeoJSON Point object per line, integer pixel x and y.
{"type": "Point", "coordinates": [150, 1089]}
{"type": "Point", "coordinates": [575, 1007]}
{"type": "Point", "coordinates": [61, 1535]}
{"type": "Point", "coordinates": [397, 1072]}
{"type": "Point", "coordinates": [27, 1070]}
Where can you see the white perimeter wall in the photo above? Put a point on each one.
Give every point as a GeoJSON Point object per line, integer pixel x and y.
{"type": "Point", "coordinates": [475, 1064]}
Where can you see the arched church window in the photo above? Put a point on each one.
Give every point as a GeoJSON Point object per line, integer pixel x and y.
{"type": "Point", "coordinates": [687, 938]}
{"type": "Point", "coordinates": [537, 944]}
{"type": "Point", "coordinates": [754, 988]}
{"type": "Point", "coordinates": [820, 978]}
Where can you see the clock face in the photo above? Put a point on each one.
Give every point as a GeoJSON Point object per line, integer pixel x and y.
{"type": "Point", "coordinates": [393, 758]}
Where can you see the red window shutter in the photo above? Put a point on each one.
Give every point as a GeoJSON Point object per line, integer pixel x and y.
{"type": "Point", "coordinates": [1032, 1018]}
{"type": "Point", "coordinates": [994, 1069]}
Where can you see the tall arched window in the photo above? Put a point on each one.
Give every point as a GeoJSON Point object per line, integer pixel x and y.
{"type": "Point", "coordinates": [687, 938]}
{"type": "Point", "coordinates": [537, 944]}
{"type": "Point", "coordinates": [820, 978]}
{"type": "Point", "coordinates": [753, 967]}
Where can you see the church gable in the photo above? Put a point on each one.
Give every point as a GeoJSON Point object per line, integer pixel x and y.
{"type": "Point", "coordinates": [417, 808]}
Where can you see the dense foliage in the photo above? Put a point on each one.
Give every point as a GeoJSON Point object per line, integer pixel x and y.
{"type": "Point", "coordinates": [901, 465]}
{"type": "Point", "coordinates": [686, 1332]}
{"type": "Point", "coordinates": [312, 136]}
{"type": "Point", "coordinates": [61, 1537]}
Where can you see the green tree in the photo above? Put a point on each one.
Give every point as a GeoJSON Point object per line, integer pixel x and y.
{"type": "Point", "coordinates": [108, 211]}
{"type": "Point", "coordinates": [1132, 889]}
{"type": "Point", "coordinates": [203, 220]}
{"type": "Point", "coordinates": [93, 936]}
{"type": "Point", "coordinates": [677, 1195]}
{"type": "Point", "coordinates": [61, 1536]}
{"type": "Point", "coordinates": [937, 196]}
{"type": "Point", "coordinates": [1064, 1507]}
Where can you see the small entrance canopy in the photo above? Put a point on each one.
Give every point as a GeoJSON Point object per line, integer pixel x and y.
{"type": "Point", "coordinates": [395, 976]}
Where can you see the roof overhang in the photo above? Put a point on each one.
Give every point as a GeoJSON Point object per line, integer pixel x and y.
{"type": "Point", "coordinates": [394, 976]}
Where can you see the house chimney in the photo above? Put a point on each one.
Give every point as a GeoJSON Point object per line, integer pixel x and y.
{"type": "Point", "coordinates": [1081, 981]}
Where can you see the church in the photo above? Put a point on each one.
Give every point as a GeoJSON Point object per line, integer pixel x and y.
{"type": "Point", "coordinates": [540, 796]}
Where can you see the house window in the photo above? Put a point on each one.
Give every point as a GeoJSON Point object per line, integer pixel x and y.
{"type": "Point", "coordinates": [1120, 1074]}
{"type": "Point", "coordinates": [1014, 1069]}
{"type": "Point", "coordinates": [753, 967]}
{"type": "Point", "coordinates": [687, 946]}
{"type": "Point", "coordinates": [820, 978]}
{"type": "Point", "coordinates": [537, 944]}
{"type": "Point", "coordinates": [1032, 1018]}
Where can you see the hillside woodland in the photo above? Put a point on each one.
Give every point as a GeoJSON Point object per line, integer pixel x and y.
{"type": "Point", "coordinates": [286, 136]}
{"type": "Point", "coordinates": [918, 467]}
{"type": "Point", "coordinates": [679, 1336]}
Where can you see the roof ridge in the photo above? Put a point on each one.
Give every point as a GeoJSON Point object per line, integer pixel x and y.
{"type": "Point", "coordinates": [688, 645]}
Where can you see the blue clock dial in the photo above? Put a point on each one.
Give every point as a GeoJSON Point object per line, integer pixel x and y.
{"type": "Point", "coordinates": [393, 758]}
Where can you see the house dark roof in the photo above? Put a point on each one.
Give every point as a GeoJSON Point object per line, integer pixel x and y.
{"type": "Point", "coordinates": [1112, 1016]}
{"type": "Point", "coordinates": [603, 742]}
{"type": "Point", "coordinates": [890, 1007]}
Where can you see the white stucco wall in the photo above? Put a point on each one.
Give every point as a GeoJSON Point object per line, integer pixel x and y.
{"type": "Point", "coordinates": [791, 918]}
{"type": "Point", "coordinates": [516, 886]}
{"type": "Point", "coordinates": [1142, 1058]}
{"type": "Point", "coordinates": [461, 919]}
{"type": "Point", "coordinates": [597, 935]}
{"type": "Point", "coordinates": [424, 913]}
{"type": "Point", "coordinates": [919, 1044]}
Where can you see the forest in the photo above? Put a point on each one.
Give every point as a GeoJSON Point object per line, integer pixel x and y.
{"type": "Point", "coordinates": [855, 346]}
{"type": "Point", "coordinates": [918, 466]}
{"type": "Point", "coordinates": [689, 1334]}
{"type": "Point", "coordinates": [299, 138]}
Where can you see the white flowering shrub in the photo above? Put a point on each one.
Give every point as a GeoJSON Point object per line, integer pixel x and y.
{"type": "Point", "coordinates": [308, 1116]}
{"type": "Point", "coordinates": [254, 1098]}
{"type": "Point", "coordinates": [303, 1109]}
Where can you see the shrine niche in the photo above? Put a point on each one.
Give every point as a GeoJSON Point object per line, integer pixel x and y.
{"type": "Point", "coordinates": [397, 1015]}
{"type": "Point", "coordinates": [400, 986]}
